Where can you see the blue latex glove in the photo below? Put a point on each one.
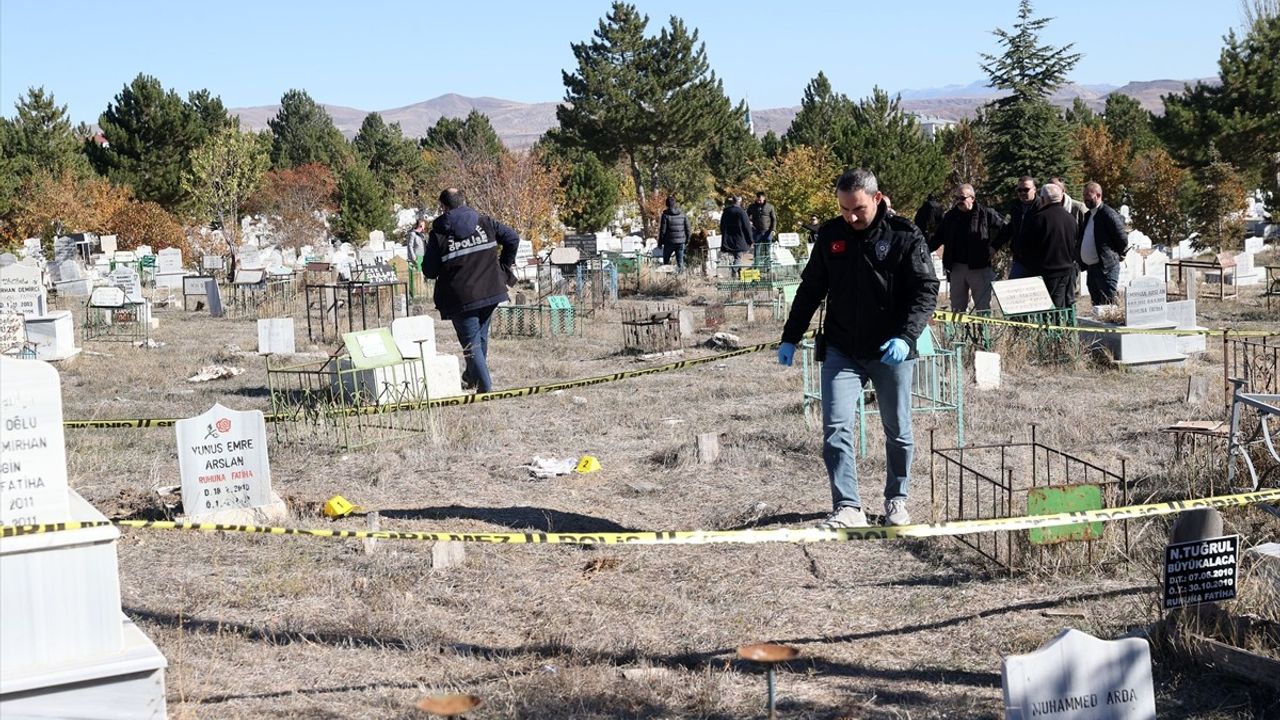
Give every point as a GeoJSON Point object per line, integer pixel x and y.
{"type": "Point", "coordinates": [786, 353]}
{"type": "Point", "coordinates": [895, 351]}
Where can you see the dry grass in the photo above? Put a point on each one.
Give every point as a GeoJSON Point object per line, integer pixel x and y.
{"type": "Point", "coordinates": [292, 627]}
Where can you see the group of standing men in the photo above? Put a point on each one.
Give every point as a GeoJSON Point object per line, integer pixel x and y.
{"type": "Point", "coordinates": [1049, 235]}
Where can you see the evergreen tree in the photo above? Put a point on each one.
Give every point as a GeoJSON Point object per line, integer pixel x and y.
{"type": "Point", "coordinates": [304, 133]}
{"type": "Point", "coordinates": [1026, 134]}
{"type": "Point", "coordinates": [42, 135]}
{"type": "Point", "coordinates": [823, 118]}
{"type": "Point", "coordinates": [210, 112]}
{"type": "Point", "coordinates": [731, 156]}
{"type": "Point", "coordinates": [363, 205]}
{"type": "Point", "coordinates": [590, 194]}
{"type": "Point", "coordinates": [962, 146]}
{"type": "Point", "coordinates": [1217, 214]}
{"type": "Point", "coordinates": [1128, 122]}
{"type": "Point", "coordinates": [771, 145]}
{"type": "Point", "coordinates": [1080, 115]}
{"type": "Point", "coordinates": [225, 171]}
{"type": "Point", "coordinates": [151, 133]}
{"type": "Point", "coordinates": [393, 159]}
{"type": "Point", "coordinates": [643, 100]}
{"type": "Point", "coordinates": [472, 137]}
{"type": "Point", "coordinates": [890, 143]}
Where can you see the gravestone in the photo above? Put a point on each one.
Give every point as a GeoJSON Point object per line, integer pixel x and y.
{"type": "Point", "coordinates": [1251, 245]}
{"type": "Point", "coordinates": [64, 249]}
{"type": "Point", "coordinates": [986, 369]}
{"type": "Point", "coordinates": [126, 279]}
{"type": "Point", "coordinates": [222, 459]}
{"type": "Point", "coordinates": [213, 298]}
{"type": "Point", "coordinates": [169, 261]}
{"type": "Point", "coordinates": [7, 259]}
{"type": "Point", "coordinates": [1182, 313]}
{"type": "Point", "coordinates": [1246, 272]}
{"type": "Point", "coordinates": [22, 290]}
{"type": "Point", "coordinates": [276, 336]}
{"type": "Point", "coordinates": [415, 336]}
{"type": "Point", "coordinates": [13, 333]}
{"type": "Point", "coordinates": [33, 476]}
{"type": "Point", "coordinates": [1153, 265]}
{"type": "Point", "coordinates": [565, 256]}
{"type": "Point", "coordinates": [1077, 676]}
{"type": "Point", "coordinates": [72, 281]}
{"type": "Point", "coordinates": [789, 240]}
{"type": "Point", "coordinates": [377, 241]}
{"type": "Point", "coordinates": [107, 297]}
{"type": "Point", "coordinates": [714, 242]}
{"type": "Point", "coordinates": [1197, 390]}
{"type": "Point", "coordinates": [1024, 295]}
{"type": "Point", "coordinates": [1201, 571]}
{"type": "Point", "coordinates": [212, 262]}
{"type": "Point", "coordinates": [193, 286]}
{"type": "Point", "coordinates": [1145, 303]}
{"type": "Point", "coordinates": [107, 245]}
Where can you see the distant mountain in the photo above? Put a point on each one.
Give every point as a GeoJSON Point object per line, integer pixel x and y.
{"type": "Point", "coordinates": [519, 125]}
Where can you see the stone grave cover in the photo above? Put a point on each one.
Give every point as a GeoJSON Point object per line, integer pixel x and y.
{"type": "Point", "coordinates": [33, 475]}
{"type": "Point", "coordinates": [222, 458]}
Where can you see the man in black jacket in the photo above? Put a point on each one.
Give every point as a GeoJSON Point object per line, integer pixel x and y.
{"type": "Point", "coordinates": [470, 256]}
{"type": "Point", "coordinates": [1102, 243]}
{"type": "Point", "coordinates": [966, 235]}
{"type": "Point", "coordinates": [735, 229]}
{"type": "Point", "coordinates": [673, 233]}
{"type": "Point", "coordinates": [874, 271]}
{"type": "Point", "coordinates": [1050, 239]}
{"type": "Point", "coordinates": [1014, 231]}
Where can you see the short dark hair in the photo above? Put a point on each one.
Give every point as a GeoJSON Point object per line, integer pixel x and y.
{"type": "Point", "coordinates": [452, 198]}
{"type": "Point", "coordinates": [671, 201]}
{"type": "Point", "coordinates": [760, 193]}
{"type": "Point", "coordinates": [858, 179]}
{"type": "Point", "coordinates": [1027, 178]}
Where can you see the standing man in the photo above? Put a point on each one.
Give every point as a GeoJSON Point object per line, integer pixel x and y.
{"type": "Point", "coordinates": [1051, 247]}
{"type": "Point", "coordinates": [673, 233]}
{"type": "Point", "coordinates": [1102, 244]}
{"type": "Point", "coordinates": [966, 234]}
{"type": "Point", "coordinates": [470, 256]}
{"type": "Point", "coordinates": [1075, 207]}
{"type": "Point", "coordinates": [764, 220]}
{"type": "Point", "coordinates": [873, 270]}
{"type": "Point", "coordinates": [1014, 231]}
{"type": "Point", "coordinates": [416, 241]}
{"type": "Point", "coordinates": [735, 229]}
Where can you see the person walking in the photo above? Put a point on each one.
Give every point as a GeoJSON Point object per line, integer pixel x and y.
{"type": "Point", "coordinates": [673, 233]}
{"type": "Point", "coordinates": [874, 271]}
{"type": "Point", "coordinates": [471, 258]}
{"type": "Point", "coordinates": [735, 229]}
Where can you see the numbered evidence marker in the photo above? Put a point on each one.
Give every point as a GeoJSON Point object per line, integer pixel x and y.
{"type": "Point", "coordinates": [222, 456]}
{"type": "Point", "coordinates": [33, 455]}
{"type": "Point", "coordinates": [1076, 676]}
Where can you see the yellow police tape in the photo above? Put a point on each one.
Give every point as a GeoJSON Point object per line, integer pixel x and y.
{"type": "Point", "coordinates": [451, 401]}
{"type": "Point", "coordinates": [967, 319]}
{"type": "Point", "coordinates": [700, 537]}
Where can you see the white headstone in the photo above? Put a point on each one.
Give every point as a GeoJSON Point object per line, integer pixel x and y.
{"type": "Point", "coordinates": [22, 290]}
{"type": "Point", "coordinates": [222, 457]}
{"type": "Point", "coordinates": [33, 473]}
{"type": "Point", "coordinates": [1154, 264]}
{"type": "Point", "coordinates": [1145, 302]}
{"type": "Point", "coordinates": [565, 256]}
{"type": "Point", "coordinates": [1023, 295]}
{"type": "Point", "coordinates": [7, 259]}
{"type": "Point", "coordinates": [1138, 239]}
{"type": "Point", "coordinates": [377, 240]}
{"type": "Point", "coordinates": [276, 336]}
{"type": "Point", "coordinates": [110, 296]}
{"type": "Point", "coordinates": [212, 262]}
{"type": "Point", "coordinates": [1251, 245]}
{"type": "Point", "coordinates": [414, 332]}
{"type": "Point", "coordinates": [1077, 676]}
{"type": "Point", "coordinates": [169, 261]}
{"type": "Point", "coordinates": [714, 242]}
{"type": "Point", "coordinates": [789, 240]}
{"type": "Point", "coordinates": [108, 244]}
{"type": "Point", "coordinates": [127, 280]}
{"type": "Point", "coordinates": [13, 332]}
{"type": "Point", "coordinates": [986, 367]}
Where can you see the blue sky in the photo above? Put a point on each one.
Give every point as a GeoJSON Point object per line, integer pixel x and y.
{"type": "Point", "coordinates": [382, 54]}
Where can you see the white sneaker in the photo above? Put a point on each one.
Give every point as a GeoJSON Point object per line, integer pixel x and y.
{"type": "Point", "coordinates": [895, 512]}
{"type": "Point", "coordinates": [844, 517]}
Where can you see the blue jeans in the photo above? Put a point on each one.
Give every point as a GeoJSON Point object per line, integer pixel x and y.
{"type": "Point", "coordinates": [1017, 270]}
{"type": "Point", "coordinates": [473, 334]}
{"type": "Point", "coordinates": [678, 250]}
{"type": "Point", "coordinates": [1102, 283]}
{"type": "Point", "coordinates": [842, 381]}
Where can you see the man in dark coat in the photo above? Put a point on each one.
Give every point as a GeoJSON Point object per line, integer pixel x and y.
{"type": "Point", "coordinates": [966, 235]}
{"type": "Point", "coordinates": [470, 256]}
{"type": "Point", "coordinates": [1050, 239]}
{"type": "Point", "coordinates": [874, 272]}
{"type": "Point", "coordinates": [1014, 232]}
{"type": "Point", "coordinates": [929, 216]}
{"type": "Point", "coordinates": [1103, 241]}
{"type": "Point", "coordinates": [735, 229]}
{"type": "Point", "coordinates": [673, 233]}
{"type": "Point", "coordinates": [764, 219]}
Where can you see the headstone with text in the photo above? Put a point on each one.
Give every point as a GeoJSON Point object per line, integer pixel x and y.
{"type": "Point", "coordinates": [222, 459]}
{"type": "Point", "coordinates": [1201, 571]}
{"type": "Point", "coordinates": [22, 290]}
{"type": "Point", "coordinates": [1077, 676]}
{"type": "Point", "coordinates": [13, 333]}
{"type": "Point", "coordinates": [1024, 295]}
{"type": "Point", "coordinates": [33, 474]}
{"type": "Point", "coordinates": [126, 279]}
{"type": "Point", "coordinates": [1145, 302]}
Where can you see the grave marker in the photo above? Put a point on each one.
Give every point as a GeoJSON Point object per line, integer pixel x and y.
{"type": "Point", "coordinates": [379, 273]}
{"type": "Point", "coordinates": [169, 261]}
{"type": "Point", "coordinates": [13, 332]}
{"type": "Point", "coordinates": [107, 245]}
{"type": "Point", "coordinates": [1200, 571]}
{"type": "Point", "coordinates": [212, 262]}
{"type": "Point", "coordinates": [276, 336]}
{"type": "Point", "coordinates": [126, 278]}
{"type": "Point", "coordinates": [1077, 676]}
{"type": "Point", "coordinates": [213, 298]}
{"type": "Point", "coordinates": [372, 348]}
{"type": "Point", "coordinates": [33, 476]}
{"type": "Point", "coordinates": [789, 240]}
{"type": "Point", "coordinates": [1145, 302]}
{"type": "Point", "coordinates": [107, 297]}
{"type": "Point", "coordinates": [415, 336]}
{"type": "Point", "coordinates": [1024, 295]}
{"type": "Point", "coordinates": [986, 369]}
{"type": "Point", "coordinates": [222, 457]}
{"type": "Point", "coordinates": [22, 290]}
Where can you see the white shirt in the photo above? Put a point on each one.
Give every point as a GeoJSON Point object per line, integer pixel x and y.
{"type": "Point", "coordinates": [1089, 246]}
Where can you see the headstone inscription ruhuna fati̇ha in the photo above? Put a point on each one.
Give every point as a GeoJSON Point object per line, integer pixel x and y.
{"type": "Point", "coordinates": [33, 455]}
{"type": "Point", "coordinates": [222, 457]}
{"type": "Point", "coordinates": [1145, 302]}
{"type": "Point", "coordinates": [1076, 676]}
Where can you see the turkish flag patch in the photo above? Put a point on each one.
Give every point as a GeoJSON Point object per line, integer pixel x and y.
{"type": "Point", "coordinates": [837, 247]}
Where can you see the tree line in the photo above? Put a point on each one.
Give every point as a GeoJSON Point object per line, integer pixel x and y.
{"type": "Point", "coordinates": [645, 117]}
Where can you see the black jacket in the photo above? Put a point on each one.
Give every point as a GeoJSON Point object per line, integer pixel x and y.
{"type": "Point", "coordinates": [673, 228]}
{"type": "Point", "coordinates": [1013, 233]}
{"type": "Point", "coordinates": [879, 285]}
{"type": "Point", "coordinates": [735, 230]}
{"type": "Point", "coordinates": [1050, 240]}
{"type": "Point", "coordinates": [966, 237]}
{"type": "Point", "coordinates": [763, 217]}
{"type": "Point", "coordinates": [462, 256]}
{"type": "Point", "coordinates": [1108, 234]}
{"type": "Point", "coordinates": [929, 217]}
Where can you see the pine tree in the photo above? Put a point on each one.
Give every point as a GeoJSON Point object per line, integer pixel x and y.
{"type": "Point", "coordinates": [472, 137]}
{"type": "Point", "coordinates": [1128, 122]}
{"type": "Point", "coordinates": [1080, 115]}
{"type": "Point", "coordinates": [363, 205]}
{"type": "Point", "coordinates": [151, 133]}
{"type": "Point", "coordinates": [732, 155]}
{"type": "Point", "coordinates": [42, 135]}
{"type": "Point", "coordinates": [771, 145]}
{"type": "Point", "coordinates": [590, 194]}
{"type": "Point", "coordinates": [392, 158]}
{"type": "Point", "coordinates": [890, 143]}
{"type": "Point", "coordinates": [1026, 134]}
{"type": "Point", "coordinates": [823, 117]}
{"type": "Point", "coordinates": [304, 133]}
{"type": "Point", "coordinates": [225, 171]}
{"type": "Point", "coordinates": [962, 146]}
{"type": "Point", "coordinates": [646, 101]}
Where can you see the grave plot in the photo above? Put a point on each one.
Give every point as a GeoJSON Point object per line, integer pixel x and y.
{"type": "Point", "coordinates": [937, 387]}
{"type": "Point", "coordinates": [769, 282]}
{"type": "Point", "coordinates": [111, 316]}
{"type": "Point", "coordinates": [1027, 301]}
{"type": "Point", "coordinates": [650, 330]}
{"type": "Point", "coordinates": [256, 294]}
{"type": "Point", "coordinates": [374, 388]}
{"type": "Point", "coordinates": [552, 318]}
{"type": "Point", "coordinates": [343, 307]}
{"type": "Point", "coordinates": [1012, 479]}
{"type": "Point", "coordinates": [590, 284]}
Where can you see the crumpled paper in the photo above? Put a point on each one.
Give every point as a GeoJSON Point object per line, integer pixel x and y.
{"type": "Point", "coordinates": [543, 468]}
{"type": "Point", "coordinates": [215, 372]}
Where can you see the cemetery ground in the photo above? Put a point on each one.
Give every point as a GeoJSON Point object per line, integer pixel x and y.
{"type": "Point", "coordinates": [256, 626]}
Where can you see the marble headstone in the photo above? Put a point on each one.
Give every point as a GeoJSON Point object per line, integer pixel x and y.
{"type": "Point", "coordinates": [33, 476]}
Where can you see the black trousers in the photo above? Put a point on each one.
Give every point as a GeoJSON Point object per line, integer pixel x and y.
{"type": "Point", "coordinates": [1062, 287]}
